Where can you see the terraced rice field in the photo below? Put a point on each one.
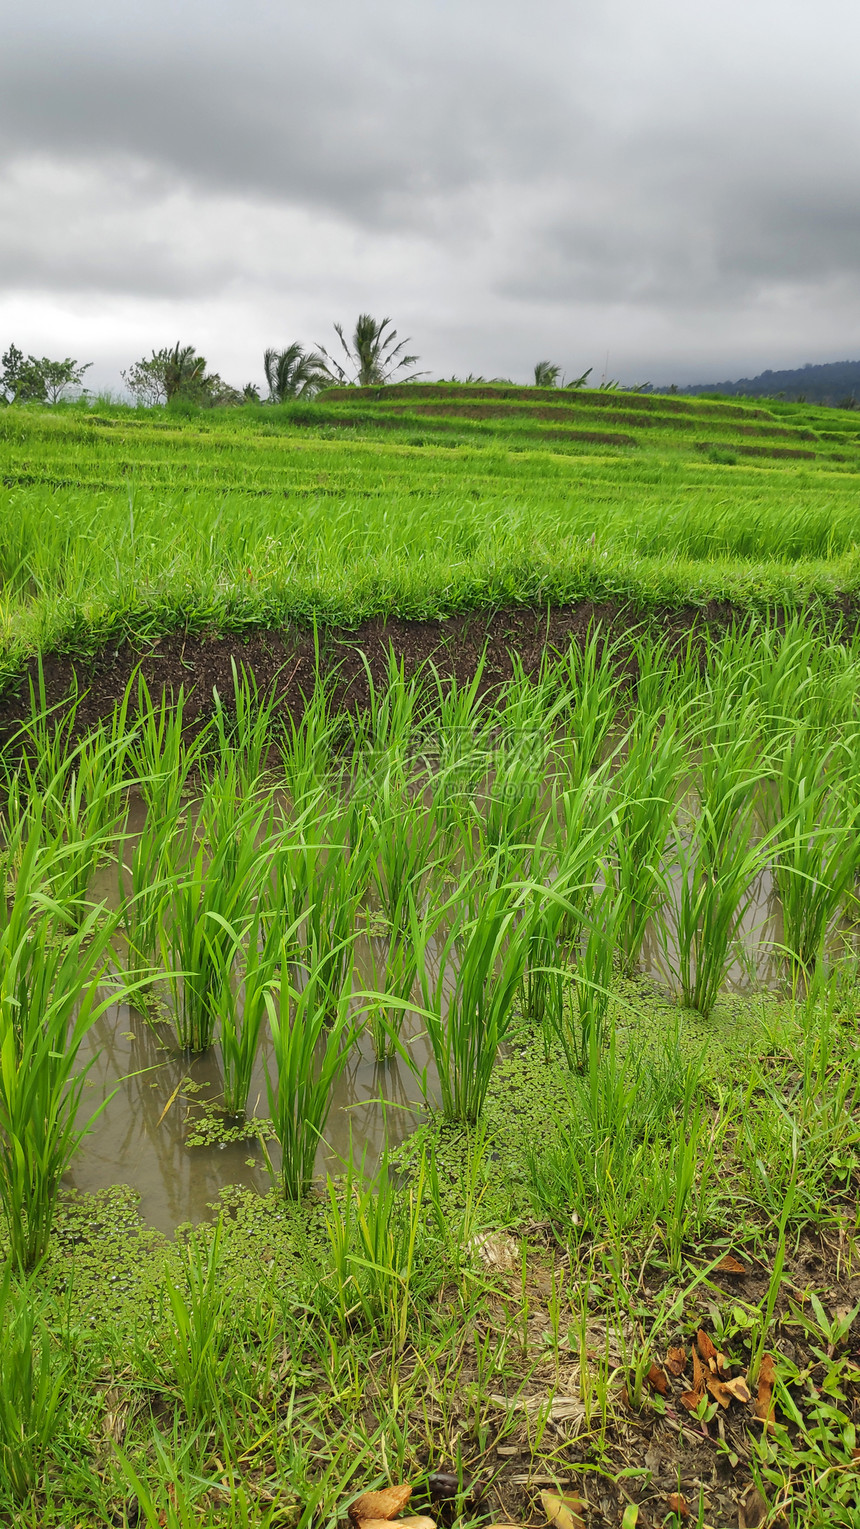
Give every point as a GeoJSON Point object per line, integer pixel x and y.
{"type": "Point", "coordinates": [131, 523]}
{"type": "Point", "coordinates": [429, 964]}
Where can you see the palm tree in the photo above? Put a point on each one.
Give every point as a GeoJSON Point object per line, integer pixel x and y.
{"type": "Point", "coordinates": [547, 374]}
{"type": "Point", "coordinates": [293, 372]}
{"type": "Point", "coordinates": [372, 354]}
{"type": "Point", "coordinates": [184, 370]}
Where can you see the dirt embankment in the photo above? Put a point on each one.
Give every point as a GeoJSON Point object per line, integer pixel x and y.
{"type": "Point", "coordinates": [352, 658]}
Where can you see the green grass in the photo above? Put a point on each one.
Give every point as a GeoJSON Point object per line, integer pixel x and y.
{"type": "Point", "coordinates": [119, 522]}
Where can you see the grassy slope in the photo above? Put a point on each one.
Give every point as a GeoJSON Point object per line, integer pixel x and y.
{"type": "Point", "coordinates": [115, 522]}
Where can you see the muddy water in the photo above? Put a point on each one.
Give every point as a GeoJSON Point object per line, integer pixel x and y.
{"type": "Point", "coordinates": [757, 959]}
{"type": "Point", "coordinates": [156, 1097]}
{"type": "Point", "coordinates": [159, 1096]}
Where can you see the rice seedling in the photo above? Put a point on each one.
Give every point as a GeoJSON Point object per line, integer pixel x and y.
{"type": "Point", "coordinates": [306, 749]}
{"type": "Point", "coordinates": [393, 961]}
{"type": "Point", "coordinates": [312, 1031]}
{"type": "Point", "coordinates": [645, 792]}
{"type": "Point", "coordinates": [320, 870]}
{"type": "Point", "coordinates": [786, 669]}
{"type": "Point", "coordinates": [716, 866]}
{"type": "Point", "coordinates": [384, 733]}
{"type": "Point", "coordinates": [400, 838]}
{"type": "Point", "coordinates": [665, 677]}
{"type": "Point", "coordinates": [508, 815]}
{"type": "Point", "coordinates": [50, 980]}
{"type": "Point", "coordinates": [215, 877]}
{"type": "Point", "coordinates": [33, 1388]}
{"type": "Point", "coordinates": [145, 884]}
{"type": "Point", "coordinates": [458, 744]}
{"type": "Point", "coordinates": [590, 686]}
{"type": "Point", "coordinates": [545, 980]}
{"type": "Point", "coordinates": [195, 1338]}
{"type": "Point", "coordinates": [584, 839]}
{"type": "Point", "coordinates": [815, 863]}
{"type": "Point", "coordinates": [710, 898]}
{"type": "Point", "coordinates": [467, 1009]}
{"type": "Point", "coordinates": [728, 767]}
{"type": "Point", "coordinates": [607, 916]}
{"type": "Point", "coordinates": [161, 757]}
{"type": "Point", "coordinates": [240, 998]}
{"type": "Point", "coordinates": [243, 730]}
{"type": "Point", "coordinates": [557, 895]}
{"type": "Point", "coordinates": [382, 1264]}
{"type": "Point", "coordinates": [82, 806]}
{"type": "Point", "coordinates": [46, 740]}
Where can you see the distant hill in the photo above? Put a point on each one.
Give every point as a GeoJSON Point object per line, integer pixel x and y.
{"type": "Point", "coordinates": [836, 383]}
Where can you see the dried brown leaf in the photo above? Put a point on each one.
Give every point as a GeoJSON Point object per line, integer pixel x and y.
{"type": "Point", "coordinates": [657, 1380]}
{"type": "Point", "coordinates": [691, 1399]}
{"type": "Point", "coordinates": [699, 1373]}
{"type": "Point", "coordinates": [678, 1504]}
{"type": "Point", "coordinates": [676, 1360]}
{"type": "Point", "coordinates": [382, 1505]}
{"type": "Point", "coordinates": [564, 1512]}
{"type": "Point", "coordinates": [764, 1403]}
{"type": "Point", "coordinates": [752, 1510]}
{"type": "Point", "coordinates": [719, 1390]}
{"type": "Point", "coordinates": [738, 1388]}
{"type": "Point", "coordinates": [707, 1350]}
{"type": "Point", "coordinates": [403, 1523]}
{"type": "Point", "coordinates": [729, 1265]}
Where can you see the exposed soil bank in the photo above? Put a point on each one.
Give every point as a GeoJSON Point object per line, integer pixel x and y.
{"type": "Point", "coordinates": [286, 659]}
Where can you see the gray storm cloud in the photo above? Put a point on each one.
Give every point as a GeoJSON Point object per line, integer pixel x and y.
{"type": "Point", "coordinates": [678, 183]}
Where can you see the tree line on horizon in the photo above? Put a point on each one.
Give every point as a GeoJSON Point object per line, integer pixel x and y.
{"type": "Point", "coordinates": [372, 356]}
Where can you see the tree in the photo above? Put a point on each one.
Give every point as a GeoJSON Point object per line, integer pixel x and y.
{"type": "Point", "coordinates": [38, 381]}
{"type": "Point", "coordinates": [217, 394]}
{"type": "Point", "coordinates": [147, 379]}
{"type": "Point", "coordinates": [293, 372]}
{"type": "Point", "coordinates": [547, 374]}
{"type": "Point", "coordinates": [178, 373]}
{"type": "Point", "coordinates": [372, 355]}
{"type": "Point", "coordinates": [185, 372]}
{"type": "Point", "coordinates": [59, 375]}
{"type": "Point", "coordinates": [12, 374]}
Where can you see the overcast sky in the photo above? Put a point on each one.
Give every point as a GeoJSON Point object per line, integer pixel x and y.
{"type": "Point", "coordinates": [668, 190]}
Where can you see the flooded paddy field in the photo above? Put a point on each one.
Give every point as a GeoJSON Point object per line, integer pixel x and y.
{"type": "Point", "coordinates": [460, 1088]}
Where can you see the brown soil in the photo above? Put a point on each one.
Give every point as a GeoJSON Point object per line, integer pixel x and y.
{"type": "Point", "coordinates": [679, 1452]}
{"type": "Point", "coordinates": [285, 660]}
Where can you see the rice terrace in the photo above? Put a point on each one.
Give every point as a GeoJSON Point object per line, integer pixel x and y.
{"type": "Point", "coordinates": [429, 1030]}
